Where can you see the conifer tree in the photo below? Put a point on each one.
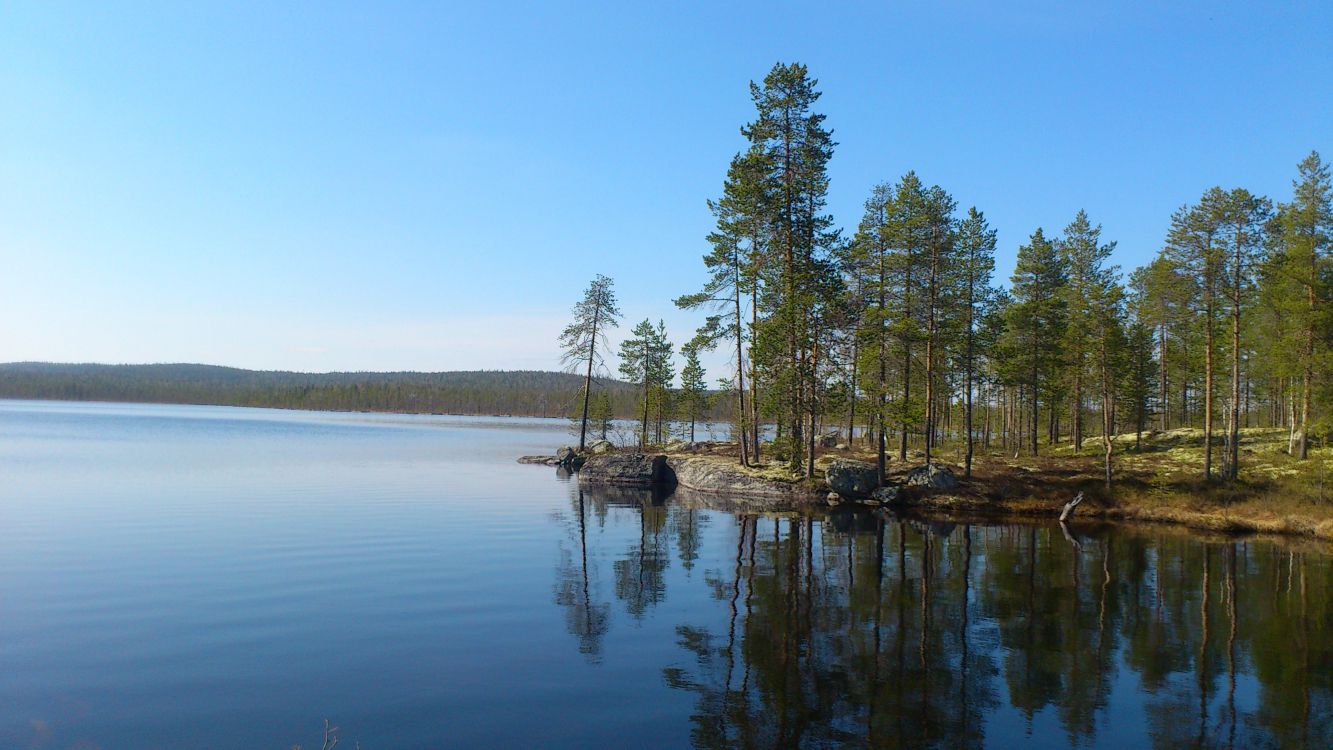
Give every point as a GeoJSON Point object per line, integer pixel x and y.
{"type": "Point", "coordinates": [603, 414]}
{"type": "Point", "coordinates": [583, 341]}
{"type": "Point", "coordinates": [1304, 235]}
{"type": "Point", "coordinates": [738, 241]}
{"type": "Point", "coordinates": [1035, 324]}
{"type": "Point", "coordinates": [693, 387]}
{"type": "Point", "coordinates": [1194, 246]}
{"type": "Point", "coordinates": [1084, 257]}
{"type": "Point", "coordinates": [796, 148]}
{"type": "Point", "coordinates": [645, 358]}
{"type": "Point", "coordinates": [976, 245]}
{"type": "Point", "coordinates": [938, 239]}
{"type": "Point", "coordinates": [869, 260]}
{"type": "Point", "coordinates": [1245, 216]}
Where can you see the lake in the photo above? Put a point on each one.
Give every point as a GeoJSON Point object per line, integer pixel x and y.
{"type": "Point", "coordinates": [194, 576]}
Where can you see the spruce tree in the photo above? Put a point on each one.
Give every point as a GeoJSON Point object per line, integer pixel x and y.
{"type": "Point", "coordinates": [693, 388]}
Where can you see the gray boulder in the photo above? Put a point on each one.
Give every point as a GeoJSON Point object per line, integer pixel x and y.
{"type": "Point", "coordinates": [541, 460]}
{"type": "Point", "coordinates": [934, 476]}
{"type": "Point", "coordinates": [722, 477]}
{"type": "Point", "coordinates": [598, 447]}
{"type": "Point", "coordinates": [681, 446]}
{"type": "Point", "coordinates": [564, 455]}
{"type": "Point", "coordinates": [886, 495]}
{"type": "Point", "coordinates": [830, 439]}
{"type": "Point", "coordinates": [851, 478]}
{"type": "Point", "coordinates": [627, 469]}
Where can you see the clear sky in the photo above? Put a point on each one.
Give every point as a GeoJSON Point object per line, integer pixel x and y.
{"type": "Point", "coordinates": [430, 186]}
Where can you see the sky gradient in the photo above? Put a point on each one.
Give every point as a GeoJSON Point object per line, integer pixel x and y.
{"type": "Point", "coordinates": [429, 187]}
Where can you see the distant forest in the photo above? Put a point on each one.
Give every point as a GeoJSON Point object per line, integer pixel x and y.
{"type": "Point", "coordinates": [529, 393]}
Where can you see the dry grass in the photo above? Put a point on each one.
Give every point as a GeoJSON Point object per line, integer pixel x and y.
{"type": "Point", "coordinates": [1159, 482]}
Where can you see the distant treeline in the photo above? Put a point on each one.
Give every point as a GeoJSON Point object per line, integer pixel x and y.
{"type": "Point", "coordinates": [532, 393]}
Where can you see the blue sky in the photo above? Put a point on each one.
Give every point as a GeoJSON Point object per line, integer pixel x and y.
{"type": "Point", "coordinates": [428, 186]}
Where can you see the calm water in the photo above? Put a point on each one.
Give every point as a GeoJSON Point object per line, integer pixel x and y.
{"type": "Point", "coordinates": [214, 577]}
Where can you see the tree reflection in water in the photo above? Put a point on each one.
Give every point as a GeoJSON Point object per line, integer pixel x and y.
{"type": "Point", "coordinates": [856, 628]}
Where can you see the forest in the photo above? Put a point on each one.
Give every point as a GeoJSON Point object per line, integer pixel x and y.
{"type": "Point", "coordinates": [484, 392]}
{"type": "Point", "coordinates": [899, 336]}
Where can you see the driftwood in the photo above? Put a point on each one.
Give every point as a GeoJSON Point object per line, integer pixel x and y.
{"type": "Point", "coordinates": [1069, 507]}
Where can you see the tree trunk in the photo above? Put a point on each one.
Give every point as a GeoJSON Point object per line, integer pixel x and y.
{"type": "Point", "coordinates": [754, 382]}
{"type": "Point", "coordinates": [1307, 374]}
{"type": "Point", "coordinates": [1078, 405]}
{"type": "Point", "coordinates": [930, 349]}
{"type": "Point", "coordinates": [1233, 438]}
{"type": "Point", "coordinates": [814, 408]}
{"type": "Point", "coordinates": [1162, 386]}
{"type": "Point", "coordinates": [1208, 390]}
{"type": "Point", "coordinates": [740, 373]}
{"type": "Point", "coordinates": [1108, 415]}
{"type": "Point", "coordinates": [587, 381]}
{"type": "Point", "coordinates": [907, 356]}
{"type": "Point", "coordinates": [851, 403]}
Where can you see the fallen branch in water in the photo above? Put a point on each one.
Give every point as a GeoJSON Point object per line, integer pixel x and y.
{"type": "Point", "coordinates": [1069, 507]}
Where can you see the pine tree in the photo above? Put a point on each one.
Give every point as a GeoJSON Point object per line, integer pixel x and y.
{"type": "Point", "coordinates": [869, 261]}
{"type": "Point", "coordinates": [1105, 311]}
{"type": "Point", "coordinates": [1084, 257]}
{"type": "Point", "coordinates": [1194, 245]}
{"type": "Point", "coordinates": [1035, 324]}
{"type": "Point", "coordinates": [938, 238]}
{"type": "Point", "coordinates": [1245, 216]}
{"type": "Point", "coordinates": [796, 148]}
{"type": "Point", "coordinates": [583, 341]}
{"type": "Point", "coordinates": [738, 241]}
{"type": "Point", "coordinates": [1304, 233]}
{"type": "Point", "coordinates": [976, 245]}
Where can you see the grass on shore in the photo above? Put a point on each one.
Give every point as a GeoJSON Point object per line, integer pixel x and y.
{"type": "Point", "coordinates": [1160, 481]}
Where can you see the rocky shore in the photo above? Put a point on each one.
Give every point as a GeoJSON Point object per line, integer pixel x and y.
{"type": "Point", "coordinates": [843, 481]}
{"type": "Point", "coordinates": [708, 474]}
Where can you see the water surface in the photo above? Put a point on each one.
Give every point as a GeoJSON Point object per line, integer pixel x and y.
{"type": "Point", "coordinates": [176, 576]}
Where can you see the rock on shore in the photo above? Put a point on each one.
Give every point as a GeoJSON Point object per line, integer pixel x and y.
{"type": "Point", "coordinates": [933, 475]}
{"type": "Point", "coordinates": [627, 469]}
{"type": "Point", "coordinates": [715, 477]}
{"type": "Point", "coordinates": [852, 478]}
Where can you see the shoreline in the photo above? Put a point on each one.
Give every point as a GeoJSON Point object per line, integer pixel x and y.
{"type": "Point", "coordinates": [998, 490]}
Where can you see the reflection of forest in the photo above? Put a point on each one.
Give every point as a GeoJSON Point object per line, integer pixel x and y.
{"type": "Point", "coordinates": [858, 629]}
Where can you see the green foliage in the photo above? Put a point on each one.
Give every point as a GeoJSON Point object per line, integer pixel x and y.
{"type": "Point", "coordinates": [584, 339]}
{"type": "Point", "coordinates": [645, 357]}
